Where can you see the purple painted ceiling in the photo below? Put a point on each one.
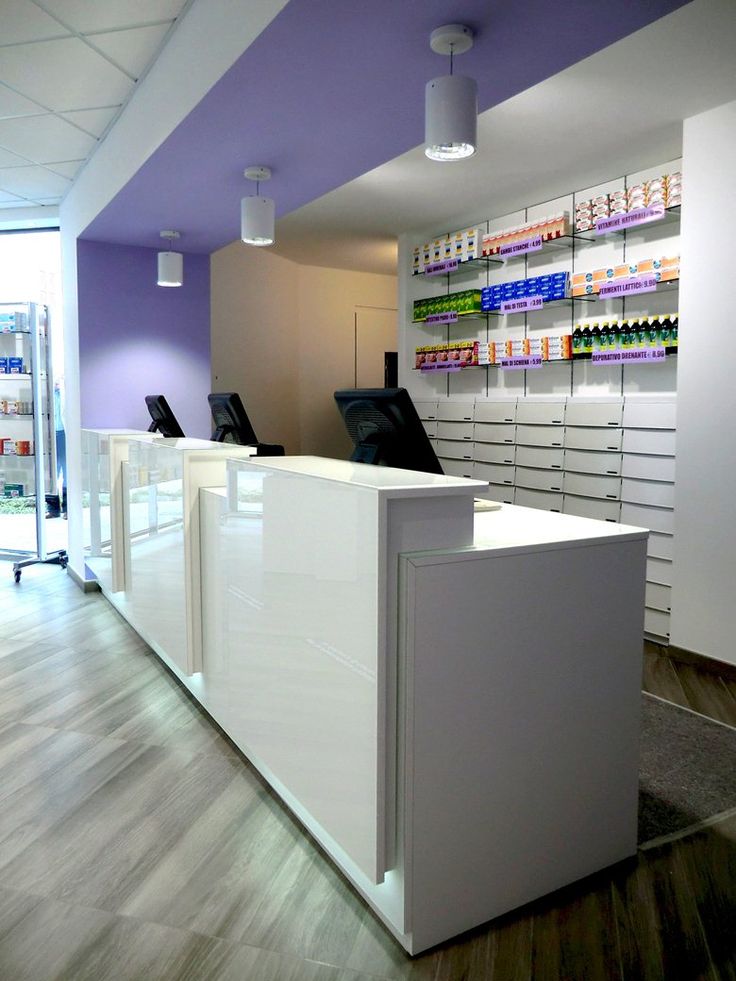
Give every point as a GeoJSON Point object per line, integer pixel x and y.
{"type": "Point", "coordinates": [332, 89]}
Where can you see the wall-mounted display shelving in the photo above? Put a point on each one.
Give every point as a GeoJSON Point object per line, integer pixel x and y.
{"type": "Point", "coordinates": [27, 450]}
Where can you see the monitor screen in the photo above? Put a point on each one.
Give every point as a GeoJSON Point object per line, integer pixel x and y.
{"type": "Point", "coordinates": [163, 419]}
{"type": "Point", "coordinates": [386, 430]}
{"type": "Point", "coordinates": [231, 420]}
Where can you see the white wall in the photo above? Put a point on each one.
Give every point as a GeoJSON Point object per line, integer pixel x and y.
{"type": "Point", "coordinates": [704, 592]}
{"type": "Point", "coordinates": [299, 321]}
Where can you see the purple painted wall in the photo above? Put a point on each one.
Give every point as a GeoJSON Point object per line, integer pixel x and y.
{"type": "Point", "coordinates": [138, 339]}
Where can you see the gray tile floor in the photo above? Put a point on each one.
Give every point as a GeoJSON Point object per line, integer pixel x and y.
{"type": "Point", "coordinates": [136, 843]}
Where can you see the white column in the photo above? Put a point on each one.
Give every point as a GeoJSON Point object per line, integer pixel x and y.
{"type": "Point", "coordinates": [704, 573]}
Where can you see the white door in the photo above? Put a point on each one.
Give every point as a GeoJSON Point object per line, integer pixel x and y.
{"type": "Point", "coordinates": [375, 333]}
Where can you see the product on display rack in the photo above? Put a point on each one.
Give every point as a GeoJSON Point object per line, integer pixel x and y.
{"type": "Point", "coordinates": [553, 286]}
{"type": "Point", "coordinates": [665, 191]}
{"type": "Point", "coordinates": [546, 229]}
{"type": "Point", "coordinates": [462, 304]}
{"type": "Point", "coordinates": [635, 275]}
{"type": "Point", "coordinates": [636, 334]}
{"type": "Point", "coordinates": [461, 246]}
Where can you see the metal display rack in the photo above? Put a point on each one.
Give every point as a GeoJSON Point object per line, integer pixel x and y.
{"type": "Point", "coordinates": [24, 336]}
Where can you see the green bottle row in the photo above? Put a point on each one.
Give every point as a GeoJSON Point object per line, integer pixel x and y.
{"type": "Point", "coordinates": [626, 335]}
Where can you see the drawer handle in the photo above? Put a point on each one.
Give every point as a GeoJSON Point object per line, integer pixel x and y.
{"type": "Point", "coordinates": [612, 497]}
{"type": "Point", "coordinates": [508, 461]}
{"type": "Point", "coordinates": [467, 418]}
{"type": "Point", "coordinates": [508, 420]}
{"type": "Point", "coordinates": [508, 441]}
{"type": "Point", "coordinates": [557, 422]}
{"type": "Point", "coordinates": [556, 488]}
{"type": "Point", "coordinates": [467, 437]}
{"type": "Point", "coordinates": [557, 444]}
{"type": "Point", "coordinates": [612, 424]}
{"type": "Point", "coordinates": [612, 447]}
{"type": "Point", "coordinates": [613, 472]}
{"type": "Point", "coordinates": [555, 466]}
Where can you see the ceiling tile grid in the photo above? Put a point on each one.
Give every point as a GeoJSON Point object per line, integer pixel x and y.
{"type": "Point", "coordinates": [67, 69]}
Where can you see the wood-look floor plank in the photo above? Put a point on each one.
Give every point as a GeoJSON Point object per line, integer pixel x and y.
{"type": "Point", "coordinates": [660, 679]}
{"type": "Point", "coordinates": [707, 693]}
{"type": "Point", "coordinates": [138, 847]}
{"type": "Point", "coordinates": [83, 944]}
{"type": "Point", "coordinates": [660, 931]}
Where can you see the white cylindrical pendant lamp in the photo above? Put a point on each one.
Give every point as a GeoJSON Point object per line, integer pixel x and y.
{"type": "Point", "coordinates": [257, 220]}
{"type": "Point", "coordinates": [451, 118]}
{"type": "Point", "coordinates": [170, 269]}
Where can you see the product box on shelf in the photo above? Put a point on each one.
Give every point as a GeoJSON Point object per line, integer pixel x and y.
{"type": "Point", "coordinates": [7, 447]}
{"type": "Point", "coordinates": [3, 366]}
{"type": "Point", "coordinates": [14, 490]}
{"type": "Point", "coordinates": [13, 320]}
{"type": "Point", "coordinates": [462, 245]}
{"type": "Point", "coordinates": [554, 286]}
{"type": "Point", "coordinates": [662, 270]}
{"type": "Point", "coordinates": [463, 303]}
{"type": "Point", "coordinates": [546, 229]}
{"type": "Point", "coordinates": [463, 354]}
{"type": "Point", "coordinates": [15, 366]}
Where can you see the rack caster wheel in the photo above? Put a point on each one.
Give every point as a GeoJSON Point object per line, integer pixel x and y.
{"type": "Point", "coordinates": [16, 575]}
{"type": "Point", "coordinates": [63, 562]}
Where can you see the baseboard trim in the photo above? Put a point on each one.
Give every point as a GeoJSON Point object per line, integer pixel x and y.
{"type": "Point", "coordinates": [86, 585]}
{"type": "Point", "coordinates": [701, 661]}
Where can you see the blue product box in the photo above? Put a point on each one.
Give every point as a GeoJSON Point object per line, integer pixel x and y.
{"type": "Point", "coordinates": [15, 366]}
{"type": "Point", "coordinates": [3, 366]}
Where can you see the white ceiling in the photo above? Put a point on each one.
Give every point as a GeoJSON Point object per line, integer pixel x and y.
{"type": "Point", "coordinates": [67, 68]}
{"type": "Point", "coordinates": [617, 112]}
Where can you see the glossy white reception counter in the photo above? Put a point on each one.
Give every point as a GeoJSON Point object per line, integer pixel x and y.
{"type": "Point", "coordinates": [448, 701]}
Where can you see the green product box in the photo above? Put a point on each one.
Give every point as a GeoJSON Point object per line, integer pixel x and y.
{"type": "Point", "coordinates": [14, 490]}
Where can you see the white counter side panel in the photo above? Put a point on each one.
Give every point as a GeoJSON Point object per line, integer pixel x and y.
{"type": "Point", "coordinates": [522, 706]}
{"type": "Point", "coordinates": [295, 670]}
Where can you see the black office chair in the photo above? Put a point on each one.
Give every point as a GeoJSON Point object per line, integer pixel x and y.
{"type": "Point", "coordinates": [232, 424]}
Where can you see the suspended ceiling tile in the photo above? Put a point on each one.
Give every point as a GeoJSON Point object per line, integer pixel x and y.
{"type": "Point", "coordinates": [63, 75]}
{"type": "Point", "coordinates": [16, 203]}
{"type": "Point", "coordinates": [22, 20]}
{"type": "Point", "coordinates": [6, 199]}
{"type": "Point", "coordinates": [133, 50]}
{"type": "Point", "coordinates": [44, 138]}
{"type": "Point", "coordinates": [12, 104]}
{"type": "Point", "coordinates": [94, 121]}
{"type": "Point", "coordinates": [8, 159]}
{"type": "Point", "coordinates": [66, 168]}
{"type": "Point", "coordinates": [83, 16]}
{"type": "Point", "coordinates": [33, 182]}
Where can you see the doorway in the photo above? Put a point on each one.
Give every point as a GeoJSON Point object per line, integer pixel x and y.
{"type": "Point", "coordinates": [376, 333]}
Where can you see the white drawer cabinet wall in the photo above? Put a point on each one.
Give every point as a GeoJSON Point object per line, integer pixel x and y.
{"type": "Point", "coordinates": [612, 459]}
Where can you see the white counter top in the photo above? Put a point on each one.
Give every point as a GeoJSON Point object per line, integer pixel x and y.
{"type": "Point", "coordinates": [389, 480]}
{"type": "Point", "coordinates": [519, 527]}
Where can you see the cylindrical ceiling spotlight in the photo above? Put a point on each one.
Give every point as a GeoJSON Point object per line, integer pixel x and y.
{"type": "Point", "coordinates": [451, 101]}
{"type": "Point", "coordinates": [257, 214]}
{"type": "Point", "coordinates": [170, 264]}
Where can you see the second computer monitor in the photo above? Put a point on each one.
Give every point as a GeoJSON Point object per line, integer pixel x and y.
{"type": "Point", "coordinates": [163, 419]}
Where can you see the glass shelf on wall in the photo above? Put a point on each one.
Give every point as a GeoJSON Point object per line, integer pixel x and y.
{"type": "Point", "coordinates": [668, 286]}
{"type": "Point", "coordinates": [14, 333]}
{"type": "Point", "coordinates": [14, 376]}
{"type": "Point", "coordinates": [466, 266]}
{"type": "Point", "coordinates": [585, 359]}
{"type": "Point", "coordinates": [671, 216]}
{"type": "Point", "coordinates": [463, 318]}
